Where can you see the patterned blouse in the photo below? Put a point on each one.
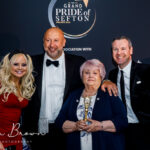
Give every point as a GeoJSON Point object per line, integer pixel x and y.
{"type": "Point", "coordinates": [85, 137]}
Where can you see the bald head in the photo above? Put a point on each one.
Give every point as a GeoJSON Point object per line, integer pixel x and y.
{"type": "Point", "coordinates": [54, 29]}
{"type": "Point", "coordinates": [54, 42]}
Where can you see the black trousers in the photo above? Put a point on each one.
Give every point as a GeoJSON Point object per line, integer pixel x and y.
{"type": "Point", "coordinates": [54, 140]}
{"type": "Point", "coordinates": [11, 148]}
{"type": "Point", "coordinates": [137, 137]}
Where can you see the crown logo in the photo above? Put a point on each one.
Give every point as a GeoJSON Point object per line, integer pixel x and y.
{"type": "Point", "coordinates": [86, 2]}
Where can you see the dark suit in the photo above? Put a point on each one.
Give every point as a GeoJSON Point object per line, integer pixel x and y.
{"type": "Point", "coordinates": [105, 108]}
{"type": "Point", "coordinates": [140, 102]}
{"type": "Point", "coordinates": [1, 57]}
{"type": "Point", "coordinates": [73, 81]}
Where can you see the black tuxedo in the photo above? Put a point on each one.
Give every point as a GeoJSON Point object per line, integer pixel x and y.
{"type": "Point", "coordinates": [73, 81]}
{"type": "Point", "coordinates": [139, 96]}
{"type": "Point", "coordinates": [1, 57]}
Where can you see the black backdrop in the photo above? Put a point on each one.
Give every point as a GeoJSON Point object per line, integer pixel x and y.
{"type": "Point", "coordinates": [23, 23]}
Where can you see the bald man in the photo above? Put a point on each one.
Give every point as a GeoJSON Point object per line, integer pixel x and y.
{"type": "Point", "coordinates": [56, 75]}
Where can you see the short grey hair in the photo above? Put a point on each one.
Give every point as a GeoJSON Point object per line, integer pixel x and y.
{"type": "Point", "coordinates": [93, 63]}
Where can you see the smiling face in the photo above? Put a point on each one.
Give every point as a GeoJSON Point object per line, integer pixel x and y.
{"type": "Point", "coordinates": [54, 42]}
{"type": "Point", "coordinates": [91, 77]}
{"type": "Point", "coordinates": [122, 52]}
{"type": "Point", "coordinates": [18, 66]}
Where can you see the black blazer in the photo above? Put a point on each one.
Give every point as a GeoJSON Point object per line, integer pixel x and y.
{"type": "Point", "coordinates": [105, 108]}
{"type": "Point", "coordinates": [73, 81]}
{"type": "Point", "coordinates": [139, 89]}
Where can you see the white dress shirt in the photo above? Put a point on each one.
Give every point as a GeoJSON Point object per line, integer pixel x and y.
{"type": "Point", "coordinates": [53, 85]}
{"type": "Point", "coordinates": [126, 71]}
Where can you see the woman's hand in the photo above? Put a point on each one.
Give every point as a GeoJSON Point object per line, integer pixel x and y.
{"type": "Point", "coordinates": [94, 126]}
{"type": "Point", "coordinates": [69, 126]}
{"type": "Point", "coordinates": [81, 125]}
{"type": "Point", "coordinates": [1, 146]}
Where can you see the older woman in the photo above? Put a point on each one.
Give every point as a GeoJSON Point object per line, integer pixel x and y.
{"type": "Point", "coordinates": [91, 118]}
{"type": "Point", "coordinates": [16, 88]}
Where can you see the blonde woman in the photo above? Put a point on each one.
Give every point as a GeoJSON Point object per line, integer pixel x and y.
{"type": "Point", "coordinates": [16, 88]}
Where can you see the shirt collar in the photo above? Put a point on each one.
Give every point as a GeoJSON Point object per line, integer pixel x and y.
{"type": "Point", "coordinates": [127, 68]}
{"type": "Point", "coordinates": [60, 59]}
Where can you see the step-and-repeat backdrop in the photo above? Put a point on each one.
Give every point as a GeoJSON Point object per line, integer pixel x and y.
{"type": "Point", "coordinates": [89, 26]}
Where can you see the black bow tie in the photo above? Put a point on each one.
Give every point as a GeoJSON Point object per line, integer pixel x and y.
{"type": "Point", "coordinates": [49, 62]}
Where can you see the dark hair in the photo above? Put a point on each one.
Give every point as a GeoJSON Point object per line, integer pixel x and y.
{"type": "Point", "coordinates": [122, 37]}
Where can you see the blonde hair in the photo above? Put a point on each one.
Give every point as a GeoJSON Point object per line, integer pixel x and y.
{"type": "Point", "coordinates": [27, 87]}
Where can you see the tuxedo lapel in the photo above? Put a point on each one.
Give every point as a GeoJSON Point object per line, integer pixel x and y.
{"type": "Point", "coordinates": [132, 77]}
{"type": "Point", "coordinates": [114, 75]}
{"type": "Point", "coordinates": [69, 72]}
{"type": "Point", "coordinates": [38, 64]}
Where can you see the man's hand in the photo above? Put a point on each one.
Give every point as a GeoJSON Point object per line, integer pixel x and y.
{"type": "Point", "coordinates": [110, 86]}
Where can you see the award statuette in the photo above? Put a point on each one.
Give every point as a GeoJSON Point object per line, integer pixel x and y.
{"type": "Point", "coordinates": [87, 101]}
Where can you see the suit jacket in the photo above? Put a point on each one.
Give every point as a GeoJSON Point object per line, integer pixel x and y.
{"type": "Point", "coordinates": [105, 108]}
{"type": "Point", "coordinates": [139, 90]}
{"type": "Point", "coordinates": [73, 81]}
